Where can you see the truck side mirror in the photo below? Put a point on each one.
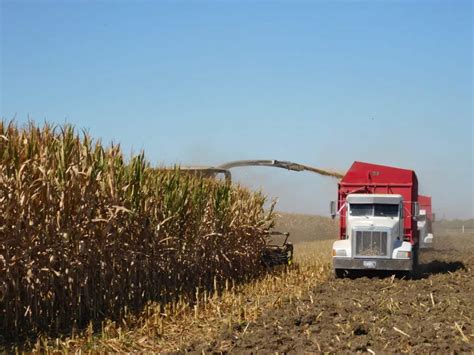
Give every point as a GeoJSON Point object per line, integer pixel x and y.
{"type": "Point", "coordinates": [332, 208]}
{"type": "Point", "coordinates": [433, 217]}
{"type": "Point", "coordinates": [416, 210]}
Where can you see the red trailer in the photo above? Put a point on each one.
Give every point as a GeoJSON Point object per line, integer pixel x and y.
{"type": "Point", "coordinates": [425, 205]}
{"type": "Point", "coordinates": [378, 208]}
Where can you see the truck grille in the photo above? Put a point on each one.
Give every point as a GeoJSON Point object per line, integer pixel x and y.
{"type": "Point", "coordinates": [369, 243]}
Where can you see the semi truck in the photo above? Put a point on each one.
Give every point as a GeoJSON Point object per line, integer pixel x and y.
{"type": "Point", "coordinates": [425, 222]}
{"type": "Point", "coordinates": [378, 211]}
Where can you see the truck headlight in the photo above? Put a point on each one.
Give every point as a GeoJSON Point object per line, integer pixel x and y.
{"type": "Point", "coordinates": [339, 252]}
{"type": "Point", "coordinates": [404, 254]}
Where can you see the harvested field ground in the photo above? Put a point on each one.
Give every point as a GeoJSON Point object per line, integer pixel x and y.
{"type": "Point", "coordinates": [382, 313]}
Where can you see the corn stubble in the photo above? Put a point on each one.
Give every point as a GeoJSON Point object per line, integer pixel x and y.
{"type": "Point", "coordinates": [86, 235]}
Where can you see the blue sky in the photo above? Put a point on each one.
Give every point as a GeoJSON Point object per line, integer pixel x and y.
{"type": "Point", "coordinates": [205, 82]}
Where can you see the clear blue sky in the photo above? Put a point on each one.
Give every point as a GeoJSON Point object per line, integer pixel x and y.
{"type": "Point", "coordinates": [204, 82]}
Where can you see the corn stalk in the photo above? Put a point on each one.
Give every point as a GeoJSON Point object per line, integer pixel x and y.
{"type": "Point", "coordinates": [86, 235]}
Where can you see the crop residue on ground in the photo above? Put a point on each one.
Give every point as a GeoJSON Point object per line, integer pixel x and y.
{"type": "Point", "coordinates": [378, 314]}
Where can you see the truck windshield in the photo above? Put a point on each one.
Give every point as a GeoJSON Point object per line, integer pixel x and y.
{"type": "Point", "coordinates": [383, 210]}
{"type": "Point", "coordinates": [378, 210]}
{"type": "Point", "coordinates": [362, 209]}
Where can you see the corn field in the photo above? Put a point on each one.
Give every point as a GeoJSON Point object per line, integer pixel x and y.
{"type": "Point", "coordinates": [87, 235]}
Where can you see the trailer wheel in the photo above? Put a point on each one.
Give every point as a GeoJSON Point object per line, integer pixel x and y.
{"type": "Point", "coordinates": [339, 273]}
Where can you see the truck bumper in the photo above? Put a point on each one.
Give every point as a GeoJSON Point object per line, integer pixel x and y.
{"type": "Point", "coordinates": [372, 264]}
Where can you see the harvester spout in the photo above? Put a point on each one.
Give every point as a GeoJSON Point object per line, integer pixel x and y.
{"type": "Point", "coordinates": [281, 164]}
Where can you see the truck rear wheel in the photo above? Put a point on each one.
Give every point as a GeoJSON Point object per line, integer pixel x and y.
{"type": "Point", "coordinates": [339, 273]}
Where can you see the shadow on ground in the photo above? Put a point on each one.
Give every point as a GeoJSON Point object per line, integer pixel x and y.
{"type": "Point", "coordinates": [440, 267]}
{"type": "Point", "coordinates": [424, 271]}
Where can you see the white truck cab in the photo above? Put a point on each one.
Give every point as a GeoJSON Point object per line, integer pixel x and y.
{"type": "Point", "coordinates": [374, 235]}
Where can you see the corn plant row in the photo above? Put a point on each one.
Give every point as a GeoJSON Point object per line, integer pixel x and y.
{"type": "Point", "coordinates": [87, 235]}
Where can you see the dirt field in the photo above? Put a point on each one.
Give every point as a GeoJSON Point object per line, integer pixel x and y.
{"type": "Point", "coordinates": [378, 314]}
